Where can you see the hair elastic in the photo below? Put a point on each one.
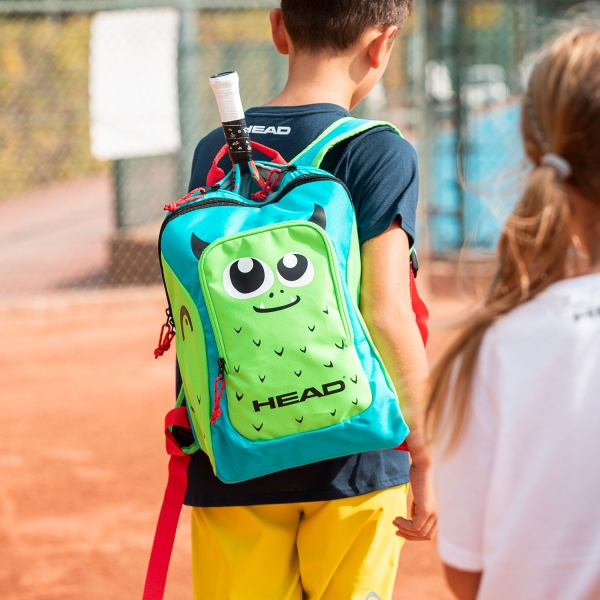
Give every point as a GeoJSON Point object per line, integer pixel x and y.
{"type": "Point", "coordinates": [560, 165]}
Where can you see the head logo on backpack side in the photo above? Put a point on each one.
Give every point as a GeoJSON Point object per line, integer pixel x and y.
{"type": "Point", "coordinates": [280, 316]}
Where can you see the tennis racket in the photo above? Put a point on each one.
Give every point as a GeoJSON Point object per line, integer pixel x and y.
{"type": "Point", "coordinates": [226, 87]}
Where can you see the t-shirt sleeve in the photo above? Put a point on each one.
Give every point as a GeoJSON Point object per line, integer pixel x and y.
{"type": "Point", "coordinates": [462, 475]}
{"type": "Point", "coordinates": [205, 152]}
{"type": "Point", "coordinates": [380, 169]}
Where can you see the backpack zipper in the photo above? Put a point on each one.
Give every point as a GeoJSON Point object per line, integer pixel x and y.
{"type": "Point", "coordinates": [301, 180]}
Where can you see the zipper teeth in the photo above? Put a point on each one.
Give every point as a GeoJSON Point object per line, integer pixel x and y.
{"type": "Point", "coordinates": [214, 321]}
{"type": "Point", "coordinates": [308, 177]}
{"type": "Point", "coordinates": [186, 208]}
{"type": "Point", "coordinates": [339, 288]}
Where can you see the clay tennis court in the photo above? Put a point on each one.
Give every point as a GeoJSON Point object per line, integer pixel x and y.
{"type": "Point", "coordinates": [82, 462]}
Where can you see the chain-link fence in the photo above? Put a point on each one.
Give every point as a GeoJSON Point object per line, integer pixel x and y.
{"type": "Point", "coordinates": [479, 58]}
{"type": "Point", "coordinates": [103, 101]}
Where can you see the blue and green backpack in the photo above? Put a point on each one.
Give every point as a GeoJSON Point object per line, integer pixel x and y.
{"type": "Point", "coordinates": [278, 367]}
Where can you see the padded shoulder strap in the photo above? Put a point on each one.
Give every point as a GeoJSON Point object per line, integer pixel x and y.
{"type": "Point", "coordinates": [341, 130]}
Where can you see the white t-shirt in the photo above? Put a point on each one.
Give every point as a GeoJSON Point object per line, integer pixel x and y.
{"type": "Point", "coordinates": [520, 498]}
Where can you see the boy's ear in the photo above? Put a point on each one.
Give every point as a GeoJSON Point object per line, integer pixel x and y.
{"type": "Point", "coordinates": [381, 46]}
{"type": "Point", "coordinates": [280, 38]}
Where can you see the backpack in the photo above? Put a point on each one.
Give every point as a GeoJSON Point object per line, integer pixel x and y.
{"type": "Point", "coordinates": [277, 365]}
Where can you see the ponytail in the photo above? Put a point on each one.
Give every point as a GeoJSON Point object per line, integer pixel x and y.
{"type": "Point", "coordinates": [561, 135]}
{"type": "Point", "coordinates": [532, 254]}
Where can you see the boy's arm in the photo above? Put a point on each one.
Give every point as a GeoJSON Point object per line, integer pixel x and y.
{"type": "Point", "coordinates": [387, 309]}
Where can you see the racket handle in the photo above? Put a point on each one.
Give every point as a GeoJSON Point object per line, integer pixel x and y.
{"type": "Point", "coordinates": [226, 87]}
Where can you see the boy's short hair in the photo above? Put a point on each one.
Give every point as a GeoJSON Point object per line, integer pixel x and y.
{"type": "Point", "coordinates": [315, 25]}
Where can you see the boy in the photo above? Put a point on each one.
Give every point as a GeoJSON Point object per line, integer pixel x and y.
{"type": "Point", "coordinates": [323, 531]}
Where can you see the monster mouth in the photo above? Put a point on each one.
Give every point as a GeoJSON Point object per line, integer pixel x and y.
{"type": "Point", "coordinates": [262, 309]}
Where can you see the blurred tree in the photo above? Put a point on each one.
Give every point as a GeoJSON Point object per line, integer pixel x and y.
{"type": "Point", "coordinates": [44, 120]}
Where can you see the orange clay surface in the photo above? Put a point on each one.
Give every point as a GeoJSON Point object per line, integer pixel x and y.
{"type": "Point", "coordinates": [82, 462]}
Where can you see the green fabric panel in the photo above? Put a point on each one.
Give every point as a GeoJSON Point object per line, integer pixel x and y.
{"type": "Point", "coordinates": [180, 398]}
{"type": "Point", "coordinates": [191, 355]}
{"type": "Point", "coordinates": [291, 366]}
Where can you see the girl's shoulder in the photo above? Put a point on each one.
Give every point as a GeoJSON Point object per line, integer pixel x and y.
{"type": "Point", "coordinates": [554, 321]}
{"type": "Point", "coordinates": [568, 301]}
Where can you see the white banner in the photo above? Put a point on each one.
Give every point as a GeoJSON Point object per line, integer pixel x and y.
{"type": "Point", "coordinates": [133, 83]}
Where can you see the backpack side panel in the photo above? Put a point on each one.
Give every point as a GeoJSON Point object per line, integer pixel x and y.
{"type": "Point", "coordinates": [192, 358]}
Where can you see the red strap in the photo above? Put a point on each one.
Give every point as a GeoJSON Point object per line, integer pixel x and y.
{"type": "Point", "coordinates": [215, 173]}
{"type": "Point", "coordinates": [156, 577]}
{"type": "Point", "coordinates": [422, 316]}
{"type": "Point", "coordinates": [271, 154]}
{"type": "Point", "coordinates": [419, 308]}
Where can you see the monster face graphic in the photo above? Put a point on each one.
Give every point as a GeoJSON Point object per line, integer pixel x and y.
{"type": "Point", "coordinates": [275, 299]}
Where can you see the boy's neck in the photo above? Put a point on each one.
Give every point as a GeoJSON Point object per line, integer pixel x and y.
{"type": "Point", "coordinates": [317, 79]}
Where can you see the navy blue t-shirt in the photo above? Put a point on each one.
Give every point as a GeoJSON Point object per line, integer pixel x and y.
{"type": "Point", "coordinates": [380, 170]}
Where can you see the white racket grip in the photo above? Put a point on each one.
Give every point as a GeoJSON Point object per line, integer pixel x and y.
{"type": "Point", "coordinates": [226, 87]}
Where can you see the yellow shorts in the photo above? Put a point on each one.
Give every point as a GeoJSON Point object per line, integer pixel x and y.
{"type": "Point", "coordinates": [337, 550]}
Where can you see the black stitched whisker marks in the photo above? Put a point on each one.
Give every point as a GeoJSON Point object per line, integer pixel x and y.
{"type": "Point", "coordinates": [298, 373]}
{"type": "Point", "coordinates": [262, 379]}
{"type": "Point", "coordinates": [257, 344]}
{"type": "Point", "coordinates": [354, 379]}
{"type": "Point", "coordinates": [342, 346]}
{"type": "Point", "coordinates": [300, 420]}
{"type": "Point", "coordinates": [258, 428]}
{"type": "Point", "coordinates": [355, 401]}
{"type": "Point", "coordinates": [312, 328]}
{"type": "Point", "coordinates": [237, 330]}
{"type": "Point", "coordinates": [239, 396]}
{"type": "Point", "coordinates": [333, 413]}
{"type": "Point", "coordinates": [279, 353]}
{"type": "Point", "coordinates": [236, 369]}
{"type": "Point", "coordinates": [329, 366]}
{"type": "Point", "coordinates": [303, 350]}
{"type": "Point", "coordinates": [326, 311]}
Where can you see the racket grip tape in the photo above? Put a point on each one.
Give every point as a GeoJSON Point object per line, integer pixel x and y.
{"type": "Point", "coordinates": [227, 93]}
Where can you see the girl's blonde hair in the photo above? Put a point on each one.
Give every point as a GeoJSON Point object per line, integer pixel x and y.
{"type": "Point", "coordinates": [561, 115]}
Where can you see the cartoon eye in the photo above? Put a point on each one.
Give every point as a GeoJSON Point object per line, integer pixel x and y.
{"type": "Point", "coordinates": [247, 278]}
{"type": "Point", "coordinates": [295, 270]}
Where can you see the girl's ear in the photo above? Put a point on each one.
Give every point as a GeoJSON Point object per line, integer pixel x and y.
{"type": "Point", "coordinates": [280, 38]}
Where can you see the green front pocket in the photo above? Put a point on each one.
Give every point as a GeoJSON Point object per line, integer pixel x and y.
{"type": "Point", "coordinates": [277, 307]}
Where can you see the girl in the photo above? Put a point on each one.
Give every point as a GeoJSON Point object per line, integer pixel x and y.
{"type": "Point", "coordinates": [515, 403]}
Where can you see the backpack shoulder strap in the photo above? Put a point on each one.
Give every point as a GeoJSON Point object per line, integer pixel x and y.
{"type": "Point", "coordinates": [341, 130]}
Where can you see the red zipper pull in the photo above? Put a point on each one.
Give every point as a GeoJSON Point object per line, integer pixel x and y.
{"type": "Point", "coordinates": [167, 333]}
{"type": "Point", "coordinates": [219, 390]}
{"type": "Point", "coordinates": [173, 206]}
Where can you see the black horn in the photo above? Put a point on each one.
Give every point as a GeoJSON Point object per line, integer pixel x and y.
{"type": "Point", "coordinates": [318, 217]}
{"type": "Point", "coordinates": [198, 246]}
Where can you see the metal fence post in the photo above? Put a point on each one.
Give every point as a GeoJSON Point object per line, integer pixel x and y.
{"type": "Point", "coordinates": [189, 75]}
{"type": "Point", "coordinates": [420, 99]}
